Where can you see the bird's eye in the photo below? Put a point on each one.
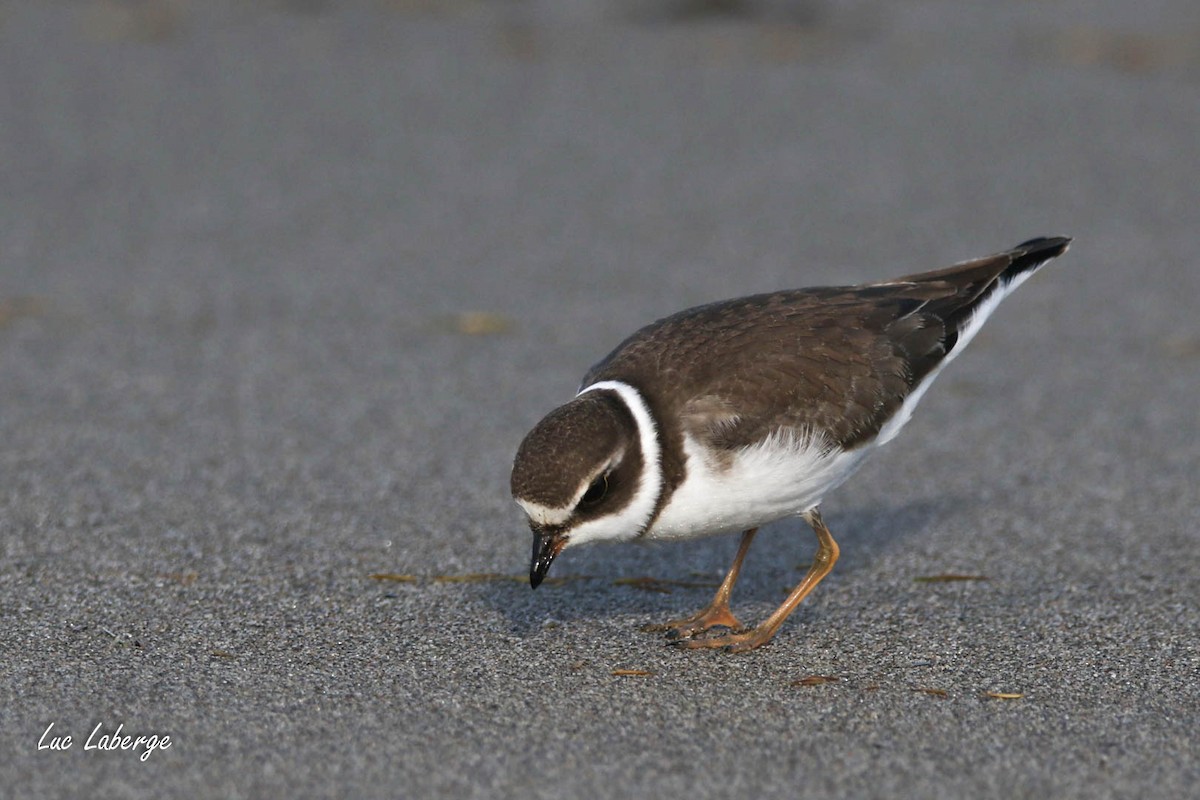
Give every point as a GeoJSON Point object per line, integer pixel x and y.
{"type": "Point", "coordinates": [595, 492]}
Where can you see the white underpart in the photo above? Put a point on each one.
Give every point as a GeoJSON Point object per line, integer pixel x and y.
{"type": "Point", "coordinates": [965, 335]}
{"type": "Point", "coordinates": [629, 522]}
{"type": "Point", "coordinates": [782, 476]}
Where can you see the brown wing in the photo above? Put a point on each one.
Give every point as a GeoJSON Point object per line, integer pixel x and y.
{"type": "Point", "coordinates": [838, 360]}
{"type": "Point", "coordinates": [835, 361]}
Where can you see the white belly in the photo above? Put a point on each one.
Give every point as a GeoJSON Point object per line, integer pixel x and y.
{"type": "Point", "coordinates": [782, 477]}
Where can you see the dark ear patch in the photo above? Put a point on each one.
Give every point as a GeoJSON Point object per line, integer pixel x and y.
{"type": "Point", "coordinates": [596, 492]}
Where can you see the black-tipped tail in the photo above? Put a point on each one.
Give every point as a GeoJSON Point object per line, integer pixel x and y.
{"type": "Point", "coordinates": [1032, 254]}
{"type": "Point", "coordinates": [964, 292]}
{"type": "Point", "coordinates": [1023, 260]}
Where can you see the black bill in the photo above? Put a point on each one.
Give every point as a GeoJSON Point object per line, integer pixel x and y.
{"type": "Point", "coordinates": [546, 545]}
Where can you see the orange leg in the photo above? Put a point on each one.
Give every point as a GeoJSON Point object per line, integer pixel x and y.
{"type": "Point", "coordinates": [717, 614]}
{"type": "Point", "coordinates": [827, 555]}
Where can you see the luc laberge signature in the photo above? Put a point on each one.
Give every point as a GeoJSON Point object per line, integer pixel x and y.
{"type": "Point", "coordinates": [98, 740]}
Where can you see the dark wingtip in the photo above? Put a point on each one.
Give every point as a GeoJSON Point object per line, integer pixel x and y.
{"type": "Point", "coordinates": [1044, 246]}
{"type": "Point", "coordinates": [1035, 252]}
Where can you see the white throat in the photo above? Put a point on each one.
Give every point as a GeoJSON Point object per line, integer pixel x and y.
{"type": "Point", "coordinates": [632, 520]}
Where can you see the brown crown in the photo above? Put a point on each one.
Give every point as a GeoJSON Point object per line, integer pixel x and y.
{"type": "Point", "coordinates": [568, 445]}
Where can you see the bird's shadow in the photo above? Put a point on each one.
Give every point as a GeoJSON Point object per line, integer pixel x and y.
{"type": "Point", "coordinates": [604, 582]}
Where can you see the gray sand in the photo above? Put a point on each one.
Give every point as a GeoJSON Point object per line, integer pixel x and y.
{"type": "Point", "coordinates": [234, 242]}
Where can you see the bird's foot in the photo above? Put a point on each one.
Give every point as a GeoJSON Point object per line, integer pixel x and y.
{"type": "Point", "coordinates": [717, 616]}
{"type": "Point", "coordinates": [733, 642]}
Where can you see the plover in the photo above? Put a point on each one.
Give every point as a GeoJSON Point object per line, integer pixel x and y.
{"type": "Point", "coordinates": [728, 416]}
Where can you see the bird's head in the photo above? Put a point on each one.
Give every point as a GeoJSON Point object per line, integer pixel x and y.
{"type": "Point", "coordinates": [587, 472]}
